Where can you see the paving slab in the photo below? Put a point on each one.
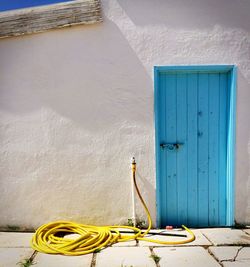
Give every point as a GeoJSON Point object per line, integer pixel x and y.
{"type": "Point", "coordinates": [224, 253]}
{"type": "Point", "coordinates": [243, 263]}
{"type": "Point", "coordinates": [244, 254]}
{"type": "Point", "coordinates": [185, 257]}
{"type": "Point", "coordinates": [200, 239]}
{"type": "Point", "coordinates": [247, 231]}
{"type": "Point", "coordinates": [47, 260]}
{"type": "Point", "coordinates": [124, 257]}
{"type": "Point", "coordinates": [15, 240]}
{"type": "Point", "coordinates": [226, 236]}
{"type": "Point", "coordinates": [10, 257]}
{"type": "Point", "coordinates": [131, 243]}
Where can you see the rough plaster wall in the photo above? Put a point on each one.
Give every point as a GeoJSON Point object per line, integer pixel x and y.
{"type": "Point", "coordinates": [77, 103]}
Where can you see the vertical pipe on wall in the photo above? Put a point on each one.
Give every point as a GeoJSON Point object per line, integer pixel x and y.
{"type": "Point", "coordinates": [133, 195]}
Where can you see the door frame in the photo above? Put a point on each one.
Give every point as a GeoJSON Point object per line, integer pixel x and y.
{"type": "Point", "coordinates": [230, 168]}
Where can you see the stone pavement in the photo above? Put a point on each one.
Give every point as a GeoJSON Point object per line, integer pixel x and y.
{"type": "Point", "coordinates": [213, 247]}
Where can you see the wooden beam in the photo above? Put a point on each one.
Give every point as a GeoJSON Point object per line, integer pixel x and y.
{"type": "Point", "coordinates": [39, 19]}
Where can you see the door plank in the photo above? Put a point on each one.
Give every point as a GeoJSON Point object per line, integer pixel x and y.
{"type": "Point", "coordinates": [171, 155]}
{"type": "Point", "coordinates": [213, 148]}
{"type": "Point", "coordinates": [222, 145]}
{"type": "Point", "coordinates": [192, 149]}
{"type": "Point", "coordinates": [163, 154]}
{"type": "Point", "coordinates": [203, 149]}
{"type": "Point", "coordinates": [182, 176]}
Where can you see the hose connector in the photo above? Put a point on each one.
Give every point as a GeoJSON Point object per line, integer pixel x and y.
{"type": "Point", "coordinates": [133, 164]}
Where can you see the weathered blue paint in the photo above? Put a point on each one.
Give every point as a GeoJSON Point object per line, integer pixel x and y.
{"type": "Point", "coordinates": [16, 4]}
{"type": "Point", "coordinates": [195, 106]}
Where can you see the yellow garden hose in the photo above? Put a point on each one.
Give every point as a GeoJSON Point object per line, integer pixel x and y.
{"type": "Point", "coordinates": [52, 238]}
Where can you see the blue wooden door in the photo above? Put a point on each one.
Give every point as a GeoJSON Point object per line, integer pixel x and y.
{"type": "Point", "coordinates": [192, 125]}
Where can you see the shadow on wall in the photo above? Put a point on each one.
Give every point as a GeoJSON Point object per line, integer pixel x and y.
{"type": "Point", "coordinates": [91, 76]}
{"type": "Point", "coordinates": [242, 182]}
{"type": "Point", "coordinates": [88, 74]}
{"type": "Point", "coordinates": [229, 13]}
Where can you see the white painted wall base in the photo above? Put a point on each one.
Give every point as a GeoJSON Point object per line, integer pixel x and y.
{"type": "Point", "coordinates": [77, 103]}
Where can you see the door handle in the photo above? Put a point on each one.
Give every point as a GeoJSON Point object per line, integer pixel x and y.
{"type": "Point", "coordinates": [171, 146]}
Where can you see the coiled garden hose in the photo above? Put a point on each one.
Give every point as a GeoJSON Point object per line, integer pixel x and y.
{"type": "Point", "coordinates": [52, 238]}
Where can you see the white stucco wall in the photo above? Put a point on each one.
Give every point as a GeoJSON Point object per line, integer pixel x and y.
{"type": "Point", "coordinates": [77, 103]}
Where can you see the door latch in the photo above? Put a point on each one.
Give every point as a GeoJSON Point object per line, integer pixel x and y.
{"type": "Point", "coordinates": [171, 146]}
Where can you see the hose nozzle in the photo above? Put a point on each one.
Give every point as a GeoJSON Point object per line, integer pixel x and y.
{"type": "Point", "coordinates": [133, 164]}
